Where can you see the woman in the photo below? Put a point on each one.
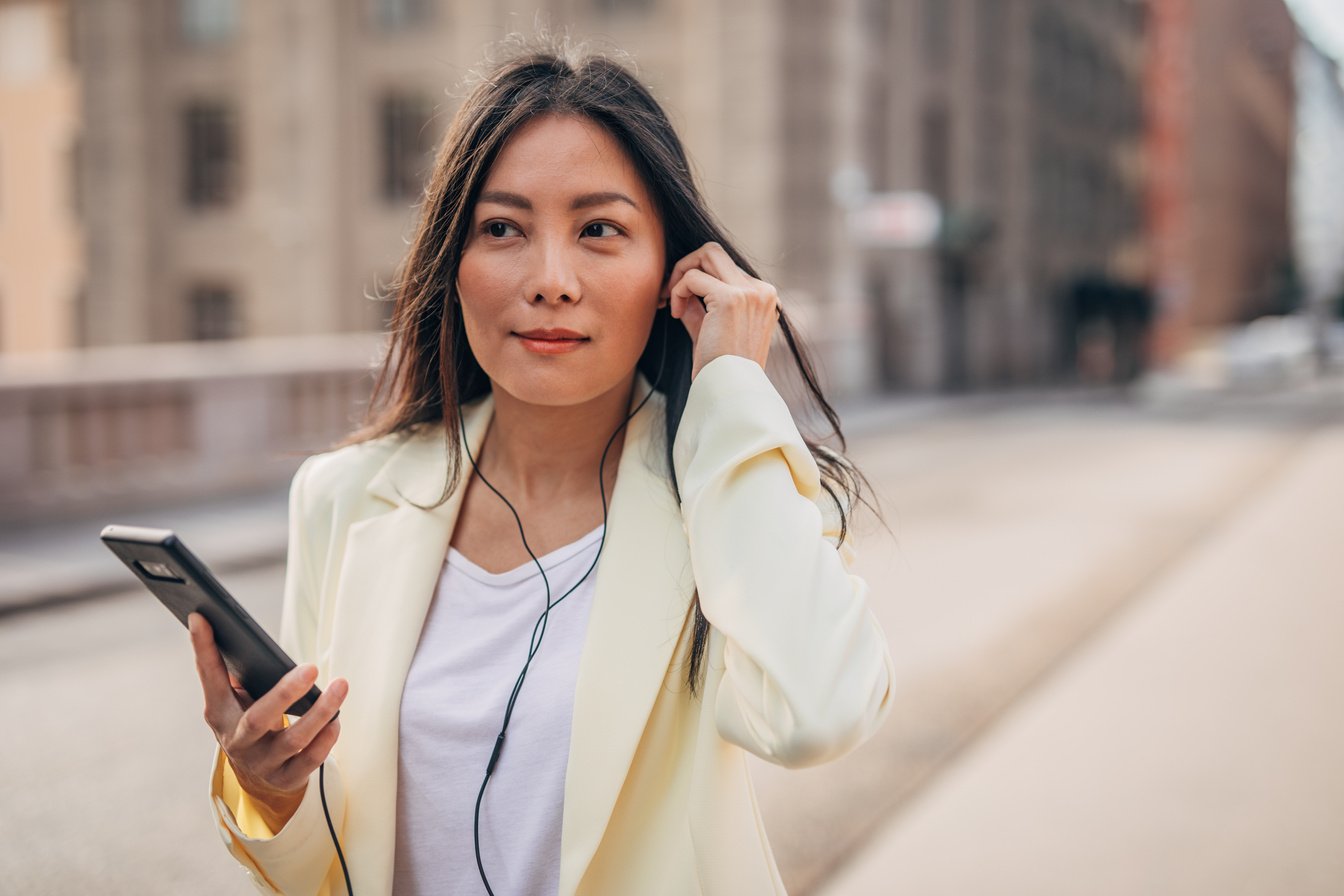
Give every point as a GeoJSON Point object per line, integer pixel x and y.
{"type": "Point", "coordinates": [567, 301]}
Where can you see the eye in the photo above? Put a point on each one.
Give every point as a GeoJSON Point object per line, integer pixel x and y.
{"type": "Point", "coordinates": [499, 229]}
{"type": "Point", "coordinates": [601, 229]}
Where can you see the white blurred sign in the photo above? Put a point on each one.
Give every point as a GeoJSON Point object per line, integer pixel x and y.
{"type": "Point", "coordinates": [849, 186]}
{"type": "Point", "coordinates": [909, 219]}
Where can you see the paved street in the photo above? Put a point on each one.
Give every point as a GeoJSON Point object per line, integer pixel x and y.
{"type": "Point", "coordinates": [1191, 748]}
{"type": "Point", "coordinates": [104, 759]}
{"type": "Point", "coordinates": [1093, 663]}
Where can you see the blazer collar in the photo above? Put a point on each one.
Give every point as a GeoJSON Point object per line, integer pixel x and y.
{"type": "Point", "coordinates": [418, 470]}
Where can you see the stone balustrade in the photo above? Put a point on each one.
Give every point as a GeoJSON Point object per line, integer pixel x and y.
{"type": "Point", "coordinates": [109, 428]}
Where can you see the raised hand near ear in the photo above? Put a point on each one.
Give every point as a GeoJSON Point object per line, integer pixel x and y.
{"type": "Point", "coordinates": [726, 311]}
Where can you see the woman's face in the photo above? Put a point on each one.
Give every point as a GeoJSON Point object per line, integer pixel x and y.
{"type": "Point", "coordinates": [562, 272]}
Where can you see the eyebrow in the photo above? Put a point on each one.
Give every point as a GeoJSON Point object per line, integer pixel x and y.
{"type": "Point", "coordinates": [587, 200]}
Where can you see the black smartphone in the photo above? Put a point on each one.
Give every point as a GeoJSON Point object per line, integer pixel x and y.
{"type": "Point", "coordinates": [184, 585]}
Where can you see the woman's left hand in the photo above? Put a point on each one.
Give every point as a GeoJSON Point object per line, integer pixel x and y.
{"type": "Point", "coordinates": [726, 311]}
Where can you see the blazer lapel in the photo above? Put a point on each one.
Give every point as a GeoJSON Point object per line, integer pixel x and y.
{"type": "Point", "coordinates": [640, 605]}
{"type": "Point", "coordinates": [388, 576]}
{"type": "Point", "coordinates": [389, 573]}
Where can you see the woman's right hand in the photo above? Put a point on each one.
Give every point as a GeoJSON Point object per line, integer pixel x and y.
{"type": "Point", "coordinates": [271, 761]}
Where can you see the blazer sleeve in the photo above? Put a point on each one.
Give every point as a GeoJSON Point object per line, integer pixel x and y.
{"type": "Point", "coordinates": [298, 857]}
{"type": "Point", "coordinates": [807, 672]}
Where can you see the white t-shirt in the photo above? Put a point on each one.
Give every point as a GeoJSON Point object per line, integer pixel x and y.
{"type": "Point", "coordinates": [473, 645]}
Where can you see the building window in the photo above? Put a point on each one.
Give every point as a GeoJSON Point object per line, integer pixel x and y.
{"type": "Point", "coordinates": [937, 32]}
{"type": "Point", "coordinates": [211, 155]}
{"type": "Point", "coordinates": [206, 22]}
{"type": "Point", "coordinates": [399, 15]}
{"type": "Point", "coordinates": [403, 126]}
{"type": "Point", "coordinates": [935, 144]}
{"type": "Point", "coordinates": [70, 36]}
{"type": "Point", "coordinates": [213, 313]}
{"type": "Point", "coordinates": [991, 43]}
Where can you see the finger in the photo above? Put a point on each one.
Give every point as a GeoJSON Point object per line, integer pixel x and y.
{"type": "Point", "coordinates": [687, 308]}
{"type": "Point", "coordinates": [696, 284]}
{"type": "Point", "coordinates": [680, 268]}
{"type": "Point", "coordinates": [299, 735]}
{"type": "Point", "coordinates": [221, 706]}
{"type": "Point", "coordinates": [266, 714]}
{"type": "Point", "coordinates": [244, 698]}
{"type": "Point", "coordinates": [689, 302]}
{"type": "Point", "coordinates": [714, 260]}
{"type": "Point", "coordinates": [296, 770]}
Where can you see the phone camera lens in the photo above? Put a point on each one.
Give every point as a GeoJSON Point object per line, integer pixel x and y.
{"type": "Point", "coordinates": [160, 571]}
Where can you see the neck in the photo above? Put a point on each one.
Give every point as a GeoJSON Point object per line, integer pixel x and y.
{"type": "Point", "coordinates": [541, 453]}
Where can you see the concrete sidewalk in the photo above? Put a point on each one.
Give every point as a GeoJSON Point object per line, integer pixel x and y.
{"type": "Point", "coordinates": [1191, 748]}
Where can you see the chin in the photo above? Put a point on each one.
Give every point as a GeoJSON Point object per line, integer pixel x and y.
{"type": "Point", "coordinates": [553, 388]}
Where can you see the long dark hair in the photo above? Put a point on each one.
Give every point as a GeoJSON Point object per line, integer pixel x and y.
{"type": "Point", "coordinates": [430, 371]}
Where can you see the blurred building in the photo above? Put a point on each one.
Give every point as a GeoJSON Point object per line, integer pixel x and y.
{"type": "Point", "coordinates": [1022, 117]}
{"type": "Point", "coordinates": [41, 251]}
{"type": "Point", "coordinates": [251, 167]}
{"type": "Point", "coordinates": [1220, 144]}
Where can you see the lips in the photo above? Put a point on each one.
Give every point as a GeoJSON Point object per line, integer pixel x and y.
{"type": "Point", "coordinates": [558, 333]}
{"type": "Point", "coordinates": [551, 341]}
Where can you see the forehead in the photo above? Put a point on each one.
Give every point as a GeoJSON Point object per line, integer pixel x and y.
{"type": "Point", "coordinates": [560, 156]}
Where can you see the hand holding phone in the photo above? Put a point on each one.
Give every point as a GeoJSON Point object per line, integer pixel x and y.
{"type": "Point", "coordinates": [249, 683]}
{"type": "Point", "coordinates": [271, 760]}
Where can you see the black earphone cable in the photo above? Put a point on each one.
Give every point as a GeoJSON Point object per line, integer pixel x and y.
{"type": "Point", "coordinates": [331, 828]}
{"type": "Point", "coordinates": [539, 628]}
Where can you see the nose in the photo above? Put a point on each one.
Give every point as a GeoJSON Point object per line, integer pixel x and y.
{"type": "Point", "coordinates": [554, 276]}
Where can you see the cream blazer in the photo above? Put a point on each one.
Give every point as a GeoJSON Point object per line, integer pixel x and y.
{"type": "Point", "coordinates": [657, 795]}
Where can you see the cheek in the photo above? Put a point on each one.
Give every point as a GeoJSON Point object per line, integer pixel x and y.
{"type": "Point", "coordinates": [479, 292]}
{"type": "Point", "coordinates": [473, 277]}
{"type": "Point", "coordinates": [636, 288]}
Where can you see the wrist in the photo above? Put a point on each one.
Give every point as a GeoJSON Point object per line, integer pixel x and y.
{"type": "Point", "coordinates": [274, 807]}
{"type": "Point", "coordinates": [278, 809]}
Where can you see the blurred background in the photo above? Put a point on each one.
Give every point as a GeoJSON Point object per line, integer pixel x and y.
{"type": "Point", "coordinates": [1073, 273]}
